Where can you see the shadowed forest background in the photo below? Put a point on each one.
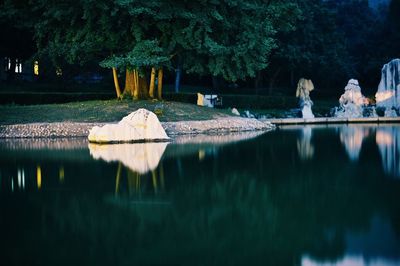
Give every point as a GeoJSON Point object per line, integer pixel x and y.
{"type": "Point", "coordinates": [229, 46]}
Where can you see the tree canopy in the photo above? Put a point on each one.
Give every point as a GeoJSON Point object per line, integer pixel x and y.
{"type": "Point", "coordinates": [328, 41]}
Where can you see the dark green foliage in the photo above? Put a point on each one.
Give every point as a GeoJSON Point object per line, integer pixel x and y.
{"type": "Point", "coordinates": [240, 101]}
{"type": "Point", "coordinates": [334, 41]}
{"type": "Point", "coordinates": [144, 54]}
{"type": "Point", "coordinates": [277, 41]}
{"type": "Point", "coordinates": [227, 38]}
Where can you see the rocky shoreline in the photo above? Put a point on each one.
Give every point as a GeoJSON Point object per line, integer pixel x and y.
{"type": "Point", "coordinates": [70, 129]}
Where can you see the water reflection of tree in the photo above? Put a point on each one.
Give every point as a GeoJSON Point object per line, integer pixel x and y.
{"type": "Point", "coordinates": [139, 183]}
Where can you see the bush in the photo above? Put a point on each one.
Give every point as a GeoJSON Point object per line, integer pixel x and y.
{"type": "Point", "coordinates": [46, 98]}
{"type": "Point", "coordinates": [240, 101]}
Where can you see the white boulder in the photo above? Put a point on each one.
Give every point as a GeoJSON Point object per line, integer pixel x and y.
{"type": "Point", "coordinates": [235, 111]}
{"type": "Point", "coordinates": [140, 126]}
{"type": "Point", "coordinates": [352, 101]}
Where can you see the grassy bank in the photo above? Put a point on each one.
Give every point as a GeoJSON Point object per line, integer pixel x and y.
{"type": "Point", "coordinates": [104, 111]}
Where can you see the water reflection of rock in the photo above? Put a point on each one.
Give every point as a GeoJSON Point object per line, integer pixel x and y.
{"type": "Point", "coordinates": [388, 141]}
{"type": "Point", "coordinates": [377, 244]}
{"type": "Point", "coordinates": [43, 143]}
{"type": "Point", "coordinates": [139, 157]}
{"type": "Point", "coordinates": [216, 139]}
{"type": "Point", "coordinates": [352, 138]}
{"type": "Point", "coordinates": [304, 146]}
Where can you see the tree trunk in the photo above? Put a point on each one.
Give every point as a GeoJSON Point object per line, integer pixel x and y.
{"type": "Point", "coordinates": [143, 88]}
{"type": "Point", "coordinates": [152, 78]}
{"type": "Point", "coordinates": [178, 78]}
{"type": "Point", "coordinates": [257, 81]}
{"type": "Point", "coordinates": [292, 78]}
{"type": "Point", "coordinates": [136, 82]}
{"type": "Point", "coordinates": [159, 83]}
{"type": "Point", "coordinates": [116, 83]}
{"type": "Point", "coordinates": [272, 80]}
{"type": "Point", "coordinates": [215, 83]}
{"type": "Point", "coordinates": [129, 83]}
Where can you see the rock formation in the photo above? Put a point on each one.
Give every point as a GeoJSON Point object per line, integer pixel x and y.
{"type": "Point", "coordinates": [304, 87]}
{"type": "Point", "coordinates": [352, 101]}
{"type": "Point", "coordinates": [235, 111]}
{"type": "Point", "coordinates": [140, 126]}
{"type": "Point", "coordinates": [388, 94]}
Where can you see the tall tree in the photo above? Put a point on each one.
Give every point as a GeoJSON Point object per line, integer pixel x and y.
{"type": "Point", "coordinates": [227, 38]}
{"type": "Point", "coordinates": [315, 49]}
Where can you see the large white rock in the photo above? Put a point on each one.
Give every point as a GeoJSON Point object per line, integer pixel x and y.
{"type": "Point", "coordinates": [352, 101]}
{"type": "Point", "coordinates": [140, 126]}
{"type": "Point", "coordinates": [388, 94]}
{"type": "Point", "coordinates": [139, 157]}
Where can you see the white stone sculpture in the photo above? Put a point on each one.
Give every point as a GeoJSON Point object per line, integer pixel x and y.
{"type": "Point", "coordinates": [139, 157]}
{"type": "Point", "coordinates": [352, 101]}
{"type": "Point", "coordinates": [140, 126]}
{"type": "Point", "coordinates": [304, 87]}
{"type": "Point", "coordinates": [388, 94]}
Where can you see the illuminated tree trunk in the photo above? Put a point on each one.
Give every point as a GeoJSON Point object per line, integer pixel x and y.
{"type": "Point", "coordinates": [116, 83]}
{"type": "Point", "coordinates": [136, 88]}
{"type": "Point", "coordinates": [129, 82]}
{"type": "Point", "coordinates": [160, 77]}
{"type": "Point", "coordinates": [152, 78]}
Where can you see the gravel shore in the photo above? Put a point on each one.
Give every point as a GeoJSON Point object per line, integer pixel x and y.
{"type": "Point", "coordinates": [69, 129]}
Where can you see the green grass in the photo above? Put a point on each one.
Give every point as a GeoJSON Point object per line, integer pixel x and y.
{"type": "Point", "coordinates": [105, 111]}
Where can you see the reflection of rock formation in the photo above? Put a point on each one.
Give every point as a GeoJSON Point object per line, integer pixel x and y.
{"type": "Point", "coordinates": [43, 143]}
{"type": "Point", "coordinates": [376, 245]}
{"type": "Point", "coordinates": [352, 138]}
{"type": "Point", "coordinates": [388, 94]}
{"type": "Point", "coordinates": [216, 139]}
{"type": "Point", "coordinates": [304, 87]}
{"type": "Point", "coordinates": [388, 141]}
{"type": "Point", "coordinates": [351, 101]}
{"type": "Point", "coordinates": [139, 157]}
{"type": "Point", "coordinates": [304, 145]}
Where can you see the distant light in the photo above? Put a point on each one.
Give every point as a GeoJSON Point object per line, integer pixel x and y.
{"type": "Point", "coordinates": [202, 154]}
{"type": "Point", "coordinates": [36, 68]}
{"type": "Point", "coordinates": [59, 71]}
{"type": "Point", "coordinates": [18, 66]}
{"type": "Point", "coordinates": [61, 174]}
{"type": "Point", "coordinates": [39, 176]}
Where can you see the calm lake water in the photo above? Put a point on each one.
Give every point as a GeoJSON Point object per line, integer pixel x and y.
{"type": "Point", "coordinates": [312, 195]}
